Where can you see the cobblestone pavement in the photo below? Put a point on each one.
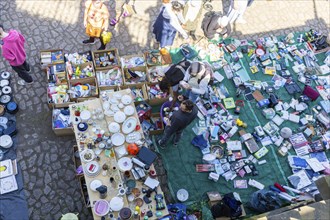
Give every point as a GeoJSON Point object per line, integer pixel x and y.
{"type": "Point", "coordinates": [49, 179]}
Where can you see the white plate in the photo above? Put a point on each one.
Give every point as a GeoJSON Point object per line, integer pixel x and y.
{"type": "Point", "coordinates": [87, 155]}
{"type": "Point", "coordinates": [114, 107]}
{"type": "Point", "coordinates": [101, 207]}
{"type": "Point", "coordinates": [125, 164]}
{"type": "Point", "coordinates": [114, 127]}
{"type": "Point", "coordinates": [85, 115]}
{"type": "Point", "coordinates": [182, 195]}
{"type": "Point", "coordinates": [106, 105]}
{"type": "Point", "coordinates": [126, 99]}
{"type": "Point", "coordinates": [129, 125]}
{"type": "Point", "coordinates": [109, 113]}
{"type": "Point", "coordinates": [133, 137]}
{"type": "Point", "coordinates": [118, 139]}
{"type": "Point", "coordinates": [92, 168]}
{"type": "Point", "coordinates": [95, 184]}
{"type": "Point", "coordinates": [129, 110]}
{"type": "Point", "coordinates": [119, 117]}
{"type": "Point", "coordinates": [114, 101]}
{"type": "Point", "coordinates": [116, 203]}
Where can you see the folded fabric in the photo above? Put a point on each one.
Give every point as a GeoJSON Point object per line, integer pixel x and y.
{"type": "Point", "coordinates": [199, 141]}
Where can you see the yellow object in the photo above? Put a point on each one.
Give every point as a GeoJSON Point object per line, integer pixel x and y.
{"type": "Point", "coordinates": [106, 36]}
{"type": "Point", "coordinates": [240, 123]}
{"type": "Point", "coordinates": [137, 209]}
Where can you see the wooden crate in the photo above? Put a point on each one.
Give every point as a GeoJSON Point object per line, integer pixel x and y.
{"type": "Point", "coordinates": [156, 117]}
{"type": "Point", "coordinates": [157, 101]}
{"type": "Point", "coordinates": [101, 77]}
{"type": "Point", "coordinates": [126, 76]}
{"type": "Point", "coordinates": [159, 69]}
{"type": "Point", "coordinates": [133, 67]}
{"type": "Point", "coordinates": [97, 63]}
{"type": "Point", "coordinates": [140, 86]}
{"type": "Point", "coordinates": [59, 75]}
{"type": "Point", "coordinates": [76, 161]}
{"type": "Point", "coordinates": [61, 131]}
{"type": "Point", "coordinates": [57, 105]}
{"type": "Point", "coordinates": [91, 81]}
{"type": "Point", "coordinates": [84, 192]}
{"type": "Point", "coordinates": [44, 65]}
{"type": "Point", "coordinates": [81, 66]}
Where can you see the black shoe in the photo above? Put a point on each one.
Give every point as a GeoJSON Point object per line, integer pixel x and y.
{"type": "Point", "coordinates": [101, 48]}
{"type": "Point", "coordinates": [88, 41]}
{"type": "Point", "coordinates": [162, 146]}
{"type": "Point", "coordinates": [28, 68]}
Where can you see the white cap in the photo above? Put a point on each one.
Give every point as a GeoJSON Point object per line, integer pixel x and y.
{"type": "Point", "coordinates": [223, 21]}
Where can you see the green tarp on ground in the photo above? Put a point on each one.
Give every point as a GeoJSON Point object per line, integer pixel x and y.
{"type": "Point", "coordinates": [180, 162]}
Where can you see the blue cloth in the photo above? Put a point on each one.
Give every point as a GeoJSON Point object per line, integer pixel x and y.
{"type": "Point", "coordinates": [199, 141]}
{"type": "Point", "coordinates": [163, 30]}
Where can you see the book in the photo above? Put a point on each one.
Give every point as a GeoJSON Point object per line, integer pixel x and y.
{"type": "Point", "coordinates": [6, 168]}
{"type": "Point", "coordinates": [240, 184]}
{"type": "Point", "coordinates": [8, 184]}
{"type": "Point", "coordinates": [270, 70]}
{"type": "Point", "coordinates": [229, 103]}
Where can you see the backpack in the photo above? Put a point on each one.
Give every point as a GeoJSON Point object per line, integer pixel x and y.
{"type": "Point", "coordinates": [176, 72]}
{"type": "Point", "coordinates": [264, 200]}
{"type": "Point", "coordinates": [229, 207]}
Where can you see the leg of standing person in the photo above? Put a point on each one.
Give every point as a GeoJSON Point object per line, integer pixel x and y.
{"type": "Point", "coordinates": [102, 44]}
{"type": "Point", "coordinates": [177, 137]}
{"type": "Point", "coordinates": [242, 5]}
{"type": "Point", "coordinates": [168, 132]}
{"type": "Point", "coordinates": [91, 40]}
{"type": "Point", "coordinates": [27, 66]}
{"type": "Point", "coordinates": [23, 74]}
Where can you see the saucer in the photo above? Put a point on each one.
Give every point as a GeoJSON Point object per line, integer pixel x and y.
{"type": "Point", "coordinates": [114, 127]}
{"type": "Point", "coordinates": [129, 110]}
{"type": "Point", "coordinates": [95, 184]}
{"type": "Point", "coordinates": [118, 139]}
{"type": "Point", "coordinates": [126, 99]}
{"type": "Point", "coordinates": [119, 117]}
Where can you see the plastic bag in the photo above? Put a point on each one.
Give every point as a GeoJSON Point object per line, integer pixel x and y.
{"type": "Point", "coordinates": [106, 36]}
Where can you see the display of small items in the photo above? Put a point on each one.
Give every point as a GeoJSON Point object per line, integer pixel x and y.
{"type": "Point", "coordinates": [78, 58]}
{"type": "Point", "coordinates": [129, 62]}
{"type": "Point", "coordinates": [156, 73]}
{"type": "Point", "coordinates": [78, 72]}
{"type": "Point", "coordinates": [132, 76]}
{"type": "Point", "coordinates": [48, 57]}
{"type": "Point", "coordinates": [153, 57]}
{"type": "Point", "coordinates": [154, 92]}
{"type": "Point", "coordinates": [61, 118]}
{"type": "Point", "coordinates": [109, 77]}
{"type": "Point", "coordinates": [58, 94]}
{"type": "Point", "coordinates": [56, 74]}
{"type": "Point", "coordinates": [106, 59]}
{"type": "Point", "coordinates": [83, 90]}
{"type": "Point", "coordinates": [137, 94]}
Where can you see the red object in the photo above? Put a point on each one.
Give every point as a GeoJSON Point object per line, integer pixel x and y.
{"type": "Point", "coordinates": [133, 149]}
{"type": "Point", "coordinates": [99, 135]}
{"type": "Point", "coordinates": [138, 127]}
{"type": "Point", "coordinates": [278, 186]}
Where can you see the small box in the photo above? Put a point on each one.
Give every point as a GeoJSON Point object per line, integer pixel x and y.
{"type": "Point", "coordinates": [60, 131]}
{"type": "Point", "coordinates": [106, 59]}
{"type": "Point", "coordinates": [91, 85]}
{"type": "Point", "coordinates": [156, 120]}
{"type": "Point", "coordinates": [214, 176]}
{"type": "Point", "coordinates": [143, 110]}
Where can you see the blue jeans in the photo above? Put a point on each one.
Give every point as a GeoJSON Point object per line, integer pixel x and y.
{"type": "Point", "coordinates": [191, 96]}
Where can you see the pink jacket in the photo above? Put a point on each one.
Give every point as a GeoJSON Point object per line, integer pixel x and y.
{"type": "Point", "coordinates": [13, 48]}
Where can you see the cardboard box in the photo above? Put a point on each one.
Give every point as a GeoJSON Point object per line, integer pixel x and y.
{"type": "Point", "coordinates": [140, 87]}
{"type": "Point", "coordinates": [128, 79]}
{"type": "Point", "coordinates": [60, 77]}
{"type": "Point", "coordinates": [104, 83]}
{"type": "Point", "coordinates": [159, 70]}
{"type": "Point", "coordinates": [81, 67]}
{"type": "Point", "coordinates": [61, 131]}
{"type": "Point", "coordinates": [133, 67]}
{"type": "Point", "coordinates": [84, 192]}
{"type": "Point", "coordinates": [90, 81]}
{"type": "Point", "coordinates": [44, 52]}
{"type": "Point", "coordinates": [111, 55]}
{"type": "Point", "coordinates": [76, 161]}
{"type": "Point", "coordinates": [57, 105]}
{"type": "Point", "coordinates": [323, 185]}
{"type": "Point", "coordinates": [157, 101]}
{"type": "Point", "coordinates": [155, 117]}
{"type": "Point", "coordinates": [143, 110]}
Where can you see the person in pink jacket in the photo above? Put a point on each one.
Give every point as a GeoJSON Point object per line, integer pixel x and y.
{"type": "Point", "coordinates": [12, 45]}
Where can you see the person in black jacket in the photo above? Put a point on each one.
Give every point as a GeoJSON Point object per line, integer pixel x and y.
{"type": "Point", "coordinates": [178, 122]}
{"type": "Point", "coordinates": [172, 78]}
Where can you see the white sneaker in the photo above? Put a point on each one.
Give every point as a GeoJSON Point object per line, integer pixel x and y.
{"type": "Point", "coordinates": [23, 83]}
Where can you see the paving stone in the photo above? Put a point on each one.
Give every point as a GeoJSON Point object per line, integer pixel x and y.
{"type": "Point", "coordinates": [46, 190]}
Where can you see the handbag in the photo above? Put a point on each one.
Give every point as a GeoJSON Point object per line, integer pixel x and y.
{"type": "Point", "coordinates": [106, 36]}
{"type": "Point", "coordinates": [128, 9]}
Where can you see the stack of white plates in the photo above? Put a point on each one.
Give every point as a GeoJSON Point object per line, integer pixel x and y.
{"type": "Point", "coordinates": [133, 137]}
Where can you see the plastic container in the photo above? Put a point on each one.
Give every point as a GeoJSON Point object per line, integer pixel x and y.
{"type": "Point", "coordinates": [166, 105]}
